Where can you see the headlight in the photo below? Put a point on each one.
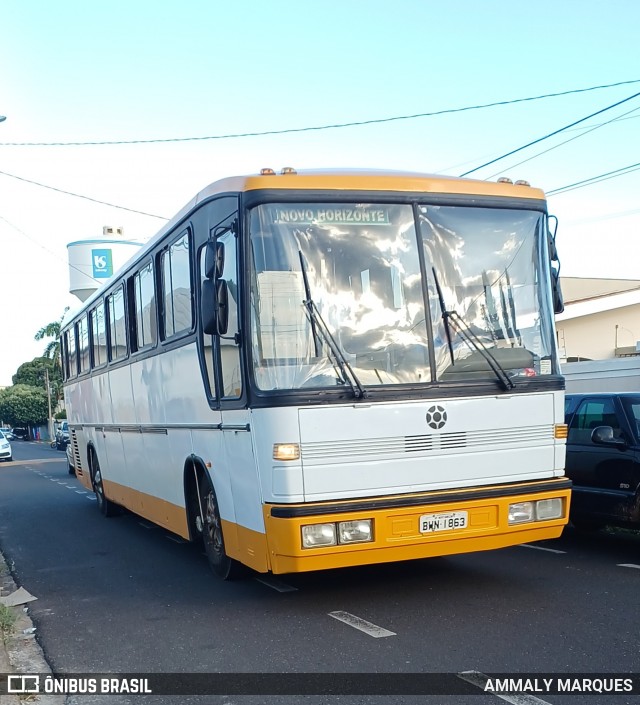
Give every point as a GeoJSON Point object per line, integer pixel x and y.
{"type": "Point", "coordinates": [541, 510]}
{"type": "Point", "coordinates": [521, 512]}
{"type": "Point", "coordinates": [355, 531]}
{"type": "Point", "coordinates": [549, 509]}
{"type": "Point", "coordinates": [315, 535]}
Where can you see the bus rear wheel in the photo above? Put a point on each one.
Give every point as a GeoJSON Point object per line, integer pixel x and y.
{"type": "Point", "coordinates": [106, 506]}
{"type": "Point", "coordinates": [223, 566]}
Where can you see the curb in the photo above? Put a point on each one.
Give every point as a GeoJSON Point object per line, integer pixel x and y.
{"type": "Point", "coordinates": [20, 652]}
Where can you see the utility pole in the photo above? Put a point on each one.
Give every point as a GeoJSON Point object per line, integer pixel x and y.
{"type": "Point", "coordinates": [50, 423]}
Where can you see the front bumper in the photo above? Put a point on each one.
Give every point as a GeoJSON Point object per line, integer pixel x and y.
{"type": "Point", "coordinates": [396, 534]}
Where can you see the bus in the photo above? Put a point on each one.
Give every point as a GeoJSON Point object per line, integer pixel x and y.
{"type": "Point", "coordinates": [314, 370]}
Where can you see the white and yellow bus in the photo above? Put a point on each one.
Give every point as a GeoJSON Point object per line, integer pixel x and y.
{"type": "Point", "coordinates": [326, 369]}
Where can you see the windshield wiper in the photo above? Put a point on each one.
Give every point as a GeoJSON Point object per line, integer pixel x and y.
{"type": "Point", "coordinates": [455, 320]}
{"type": "Point", "coordinates": [318, 325]}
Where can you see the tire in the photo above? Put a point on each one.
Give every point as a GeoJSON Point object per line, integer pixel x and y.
{"type": "Point", "coordinates": [106, 506]}
{"type": "Point", "coordinates": [223, 566]}
{"type": "Point", "coordinates": [72, 470]}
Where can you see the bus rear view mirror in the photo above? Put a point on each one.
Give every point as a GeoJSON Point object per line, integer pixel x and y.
{"type": "Point", "coordinates": [556, 290]}
{"type": "Point", "coordinates": [214, 260]}
{"type": "Point", "coordinates": [222, 308]}
{"type": "Point", "coordinates": [214, 307]}
{"type": "Point", "coordinates": [208, 307]}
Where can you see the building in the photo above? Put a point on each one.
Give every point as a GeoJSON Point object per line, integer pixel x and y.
{"type": "Point", "coordinates": [601, 319]}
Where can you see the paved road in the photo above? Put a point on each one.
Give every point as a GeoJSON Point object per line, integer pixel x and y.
{"type": "Point", "coordinates": [119, 595]}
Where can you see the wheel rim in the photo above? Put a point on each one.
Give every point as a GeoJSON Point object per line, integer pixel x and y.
{"type": "Point", "coordinates": [97, 485]}
{"type": "Point", "coordinates": [213, 526]}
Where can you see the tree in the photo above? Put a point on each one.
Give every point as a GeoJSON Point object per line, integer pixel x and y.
{"type": "Point", "coordinates": [52, 330]}
{"type": "Point", "coordinates": [33, 374]}
{"type": "Point", "coordinates": [23, 405]}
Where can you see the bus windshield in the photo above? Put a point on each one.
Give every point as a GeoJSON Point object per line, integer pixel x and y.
{"type": "Point", "coordinates": [372, 272]}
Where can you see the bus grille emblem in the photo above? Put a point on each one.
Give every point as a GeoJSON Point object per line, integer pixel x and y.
{"type": "Point", "coordinates": [436, 416]}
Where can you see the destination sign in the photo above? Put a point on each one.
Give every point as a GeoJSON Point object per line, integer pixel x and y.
{"type": "Point", "coordinates": [334, 216]}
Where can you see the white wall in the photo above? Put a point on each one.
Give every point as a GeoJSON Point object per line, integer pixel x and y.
{"type": "Point", "coordinates": [615, 375]}
{"type": "Point", "coordinates": [594, 336]}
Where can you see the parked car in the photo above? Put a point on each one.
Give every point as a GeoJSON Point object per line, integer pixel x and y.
{"type": "Point", "coordinates": [5, 448]}
{"type": "Point", "coordinates": [8, 433]}
{"type": "Point", "coordinates": [62, 436]}
{"type": "Point", "coordinates": [21, 434]}
{"type": "Point", "coordinates": [70, 459]}
{"type": "Point", "coordinates": [603, 459]}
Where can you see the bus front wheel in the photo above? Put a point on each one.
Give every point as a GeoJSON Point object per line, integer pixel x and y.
{"type": "Point", "coordinates": [223, 566]}
{"type": "Point", "coordinates": [106, 506]}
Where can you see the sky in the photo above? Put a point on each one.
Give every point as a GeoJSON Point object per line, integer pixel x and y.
{"type": "Point", "coordinates": [137, 71]}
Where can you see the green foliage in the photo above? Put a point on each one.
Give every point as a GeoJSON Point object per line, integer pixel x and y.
{"type": "Point", "coordinates": [7, 621]}
{"type": "Point", "coordinates": [33, 374]}
{"type": "Point", "coordinates": [52, 330]}
{"type": "Point", "coordinates": [23, 405]}
{"type": "Point", "coordinates": [60, 415]}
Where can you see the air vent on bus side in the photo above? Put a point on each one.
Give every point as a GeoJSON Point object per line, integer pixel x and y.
{"type": "Point", "coordinates": [76, 452]}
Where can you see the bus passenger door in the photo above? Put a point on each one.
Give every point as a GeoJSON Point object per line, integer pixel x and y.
{"type": "Point", "coordinates": [236, 478]}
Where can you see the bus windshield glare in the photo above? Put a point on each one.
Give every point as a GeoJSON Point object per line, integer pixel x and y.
{"type": "Point", "coordinates": [372, 272]}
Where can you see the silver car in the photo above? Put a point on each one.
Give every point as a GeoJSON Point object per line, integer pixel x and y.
{"type": "Point", "coordinates": [70, 459]}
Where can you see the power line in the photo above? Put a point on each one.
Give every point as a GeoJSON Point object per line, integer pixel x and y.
{"type": "Point", "coordinates": [550, 134]}
{"type": "Point", "coordinates": [358, 123]}
{"type": "Point", "coordinates": [586, 132]}
{"type": "Point", "coordinates": [78, 195]}
{"type": "Point", "coordinates": [596, 179]}
{"type": "Point", "coordinates": [46, 249]}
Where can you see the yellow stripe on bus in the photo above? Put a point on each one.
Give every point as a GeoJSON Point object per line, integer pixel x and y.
{"type": "Point", "coordinates": [166, 514]}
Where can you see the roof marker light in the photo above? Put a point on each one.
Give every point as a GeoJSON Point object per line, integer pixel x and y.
{"type": "Point", "coordinates": [288, 170]}
{"type": "Point", "coordinates": [522, 182]}
{"type": "Point", "coordinates": [504, 180]}
{"type": "Point", "coordinates": [267, 172]}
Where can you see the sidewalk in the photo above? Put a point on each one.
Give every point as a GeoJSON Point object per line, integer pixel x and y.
{"type": "Point", "coordinates": [19, 651]}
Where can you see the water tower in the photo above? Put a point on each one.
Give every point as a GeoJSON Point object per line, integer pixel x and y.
{"type": "Point", "coordinates": [93, 263]}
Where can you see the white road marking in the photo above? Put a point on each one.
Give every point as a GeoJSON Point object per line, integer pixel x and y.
{"type": "Point", "coordinates": [147, 526]}
{"type": "Point", "coordinates": [358, 623]}
{"type": "Point", "coordinates": [80, 492]}
{"type": "Point", "coordinates": [91, 497]}
{"type": "Point", "coordinates": [175, 539]}
{"type": "Point", "coordinates": [480, 680]}
{"type": "Point", "coordinates": [628, 565]}
{"type": "Point", "coordinates": [541, 548]}
{"type": "Point", "coordinates": [275, 584]}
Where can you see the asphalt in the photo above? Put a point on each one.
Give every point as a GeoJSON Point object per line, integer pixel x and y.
{"type": "Point", "coordinates": [20, 652]}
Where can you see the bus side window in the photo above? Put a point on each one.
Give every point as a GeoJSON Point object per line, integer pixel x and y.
{"type": "Point", "coordinates": [229, 348]}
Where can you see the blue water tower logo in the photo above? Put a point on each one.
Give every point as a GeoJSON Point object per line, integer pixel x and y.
{"type": "Point", "coordinates": [102, 264]}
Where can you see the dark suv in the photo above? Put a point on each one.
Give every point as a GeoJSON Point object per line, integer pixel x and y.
{"type": "Point", "coordinates": [603, 459]}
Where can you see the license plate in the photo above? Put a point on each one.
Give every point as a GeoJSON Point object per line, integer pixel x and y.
{"type": "Point", "coordinates": [444, 521]}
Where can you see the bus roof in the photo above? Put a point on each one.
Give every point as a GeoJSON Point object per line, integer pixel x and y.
{"type": "Point", "coordinates": [369, 180]}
